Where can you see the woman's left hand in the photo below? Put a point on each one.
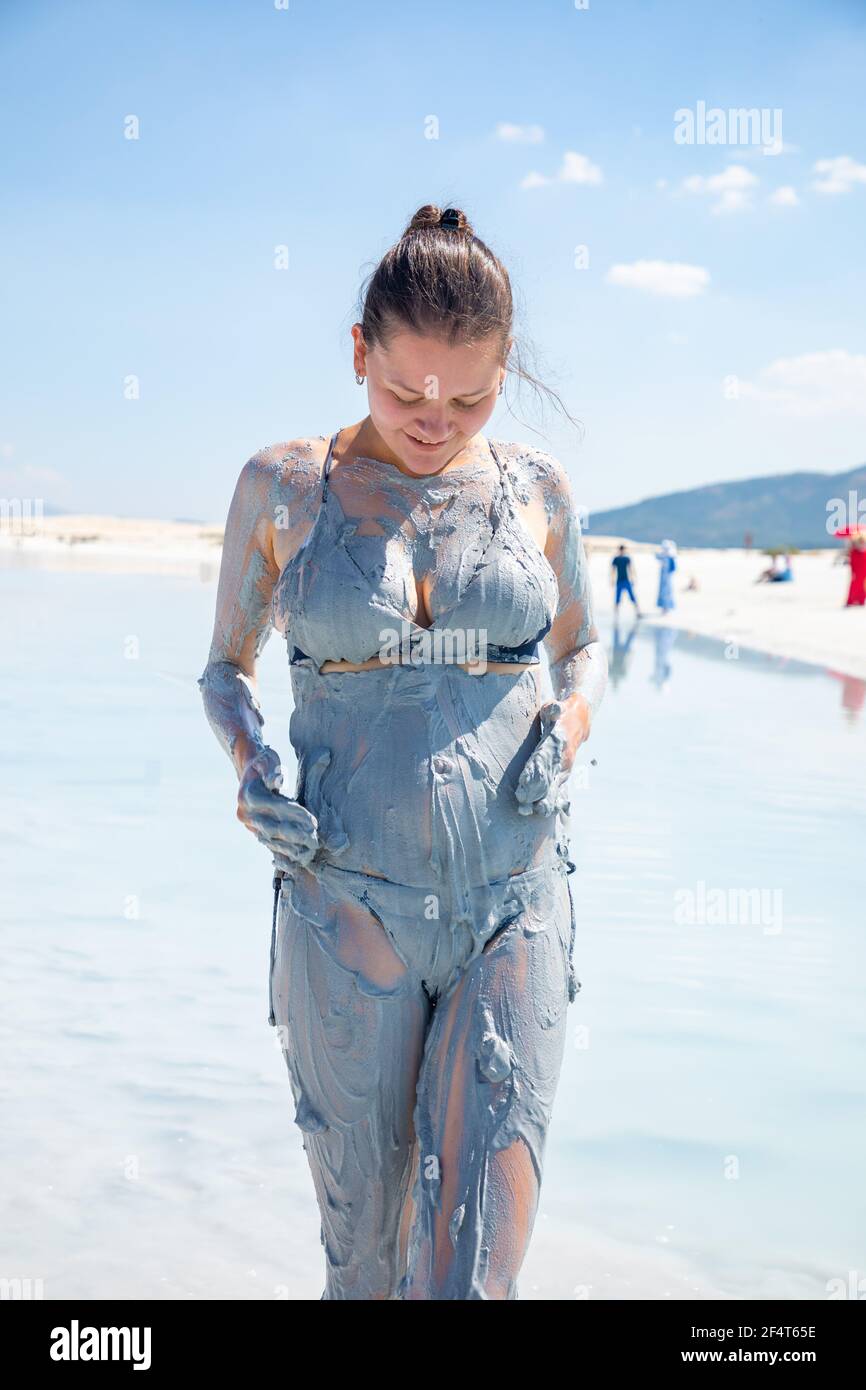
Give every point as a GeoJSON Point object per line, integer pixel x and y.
{"type": "Point", "coordinates": [542, 787]}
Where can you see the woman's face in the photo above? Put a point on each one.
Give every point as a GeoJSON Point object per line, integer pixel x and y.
{"type": "Point", "coordinates": [427, 399]}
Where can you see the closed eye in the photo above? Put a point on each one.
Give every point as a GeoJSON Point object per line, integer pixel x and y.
{"type": "Point", "coordinates": [416, 400]}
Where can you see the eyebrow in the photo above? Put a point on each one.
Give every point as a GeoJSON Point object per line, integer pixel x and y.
{"type": "Point", "coordinates": [479, 390]}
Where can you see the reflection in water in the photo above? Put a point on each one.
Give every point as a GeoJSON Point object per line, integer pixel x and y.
{"type": "Point", "coordinates": [853, 688]}
{"type": "Point", "coordinates": [620, 652]}
{"type": "Point", "coordinates": [664, 641]}
{"type": "Point", "coordinates": [853, 694]}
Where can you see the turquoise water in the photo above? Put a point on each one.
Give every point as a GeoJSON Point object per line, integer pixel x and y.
{"type": "Point", "coordinates": [708, 1134]}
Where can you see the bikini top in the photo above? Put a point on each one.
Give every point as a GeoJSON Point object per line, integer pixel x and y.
{"type": "Point", "coordinates": [344, 595]}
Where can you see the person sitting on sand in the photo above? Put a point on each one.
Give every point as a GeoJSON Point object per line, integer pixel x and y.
{"type": "Point", "coordinates": [779, 572]}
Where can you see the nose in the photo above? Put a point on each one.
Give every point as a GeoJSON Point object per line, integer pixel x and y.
{"type": "Point", "coordinates": [432, 427]}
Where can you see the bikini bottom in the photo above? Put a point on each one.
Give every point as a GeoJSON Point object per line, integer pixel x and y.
{"type": "Point", "coordinates": [435, 936]}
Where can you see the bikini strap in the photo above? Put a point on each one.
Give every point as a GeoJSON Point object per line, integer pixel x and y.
{"type": "Point", "coordinates": [329, 458]}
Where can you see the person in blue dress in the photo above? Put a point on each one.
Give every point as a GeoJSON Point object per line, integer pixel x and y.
{"type": "Point", "coordinates": [667, 558]}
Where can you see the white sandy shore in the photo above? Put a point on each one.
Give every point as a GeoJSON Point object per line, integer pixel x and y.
{"type": "Point", "coordinates": [120, 545]}
{"type": "Point", "coordinates": [804, 620]}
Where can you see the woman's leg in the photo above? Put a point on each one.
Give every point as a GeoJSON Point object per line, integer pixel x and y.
{"type": "Point", "coordinates": [491, 1065]}
{"type": "Point", "coordinates": [352, 1025]}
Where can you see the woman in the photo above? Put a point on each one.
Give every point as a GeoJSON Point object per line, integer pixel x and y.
{"type": "Point", "coordinates": [667, 558]}
{"type": "Point", "coordinates": [421, 957]}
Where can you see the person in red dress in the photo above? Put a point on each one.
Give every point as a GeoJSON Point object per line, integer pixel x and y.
{"type": "Point", "coordinates": [857, 561]}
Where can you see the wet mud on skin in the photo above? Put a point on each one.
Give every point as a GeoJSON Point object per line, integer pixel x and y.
{"type": "Point", "coordinates": [423, 1078]}
{"type": "Point", "coordinates": [421, 958]}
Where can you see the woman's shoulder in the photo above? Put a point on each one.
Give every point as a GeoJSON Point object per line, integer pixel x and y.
{"type": "Point", "coordinates": [293, 458]}
{"type": "Point", "coordinates": [286, 471]}
{"type": "Point", "coordinates": [536, 472]}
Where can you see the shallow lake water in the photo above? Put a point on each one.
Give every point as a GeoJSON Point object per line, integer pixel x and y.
{"type": "Point", "coordinates": [708, 1135]}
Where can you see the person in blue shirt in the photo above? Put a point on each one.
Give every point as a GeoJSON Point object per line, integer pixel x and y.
{"type": "Point", "coordinates": [621, 567]}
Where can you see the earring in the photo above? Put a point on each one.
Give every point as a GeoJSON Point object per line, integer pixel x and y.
{"type": "Point", "coordinates": [501, 386]}
{"type": "Point", "coordinates": [359, 379]}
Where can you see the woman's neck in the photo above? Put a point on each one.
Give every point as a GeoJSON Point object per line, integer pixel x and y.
{"type": "Point", "coordinates": [364, 441]}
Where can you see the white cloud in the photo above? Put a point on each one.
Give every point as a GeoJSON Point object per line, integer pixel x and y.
{"type": "Point", "coordinates": [785, 197]}
{"type": "Point", "coordinates": [670, 278]}
{"type": "Point", "coordinates": [575, 168]}
{"type": "Point", "coordinates": [732, 188]}
{"type": "Point", "coordinates": [811, 386]}
{"type": "Point", "coordinates": [520, 134]}
{"type": "Point", "coordinates": [838, 175]}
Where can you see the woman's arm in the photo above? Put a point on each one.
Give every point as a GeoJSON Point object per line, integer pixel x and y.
{"type": "Point", "coordinates": [578, 661]}
{"type": "Point", "coordinates": [242, 625]}
{"type": "Point", "coordinates": [248, 573]}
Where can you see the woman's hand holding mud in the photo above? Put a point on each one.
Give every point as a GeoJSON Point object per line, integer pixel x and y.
{"type": "Point", "coordinates": [542, 787]}
{"type": "Point", "coordinates": [283, 826]}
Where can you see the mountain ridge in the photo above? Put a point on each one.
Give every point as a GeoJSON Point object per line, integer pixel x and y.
{"type": "Point", "coordinates": [789, 510]}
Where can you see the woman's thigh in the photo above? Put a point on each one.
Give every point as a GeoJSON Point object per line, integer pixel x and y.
{"type": "Point", "coordinates": [351, 1023]}
{"type": "Point", "coordinates": [488, 1079]}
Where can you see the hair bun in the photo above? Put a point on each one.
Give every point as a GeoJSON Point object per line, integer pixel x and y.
{"type": "Point", "coordinates": [452, 219]}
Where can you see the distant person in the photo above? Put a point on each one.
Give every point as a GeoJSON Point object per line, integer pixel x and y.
{"type": "Point", "coordinates": [779, 571]}
{"type": "Point", "coordinates": [748, 540]}
{"type": "Point", "coordinates": [693, 586]}
{"type": "Point", "coordinates": [621, 572]}
{"type": "Point", "coordinates": [667, 558]}
{"type": "Point", "coordinates": [857, 561]}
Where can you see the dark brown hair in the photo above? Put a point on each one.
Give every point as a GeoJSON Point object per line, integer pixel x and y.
{"type": "Point", "coordinates": [442, 280]}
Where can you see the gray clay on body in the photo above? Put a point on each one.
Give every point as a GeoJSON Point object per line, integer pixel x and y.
{"type": "Point", "coordinates": [422, 959]}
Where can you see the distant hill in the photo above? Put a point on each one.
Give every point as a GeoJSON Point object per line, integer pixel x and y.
{"type": "Point", "coordinates": [787, 509]}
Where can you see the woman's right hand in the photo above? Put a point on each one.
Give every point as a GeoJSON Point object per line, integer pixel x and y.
{"type": "Point", "coordinates": [285, 827]}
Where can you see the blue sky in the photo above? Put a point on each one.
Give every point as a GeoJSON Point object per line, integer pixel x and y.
{"type": "Point", "coordinates": [716, 332]}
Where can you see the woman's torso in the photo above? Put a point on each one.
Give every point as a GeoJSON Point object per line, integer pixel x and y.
{"type": "Point", "coordinates": [411, 768]}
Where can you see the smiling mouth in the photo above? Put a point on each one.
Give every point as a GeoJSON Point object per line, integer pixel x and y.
{"type": "Point", "coordinates": [425, 443]}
